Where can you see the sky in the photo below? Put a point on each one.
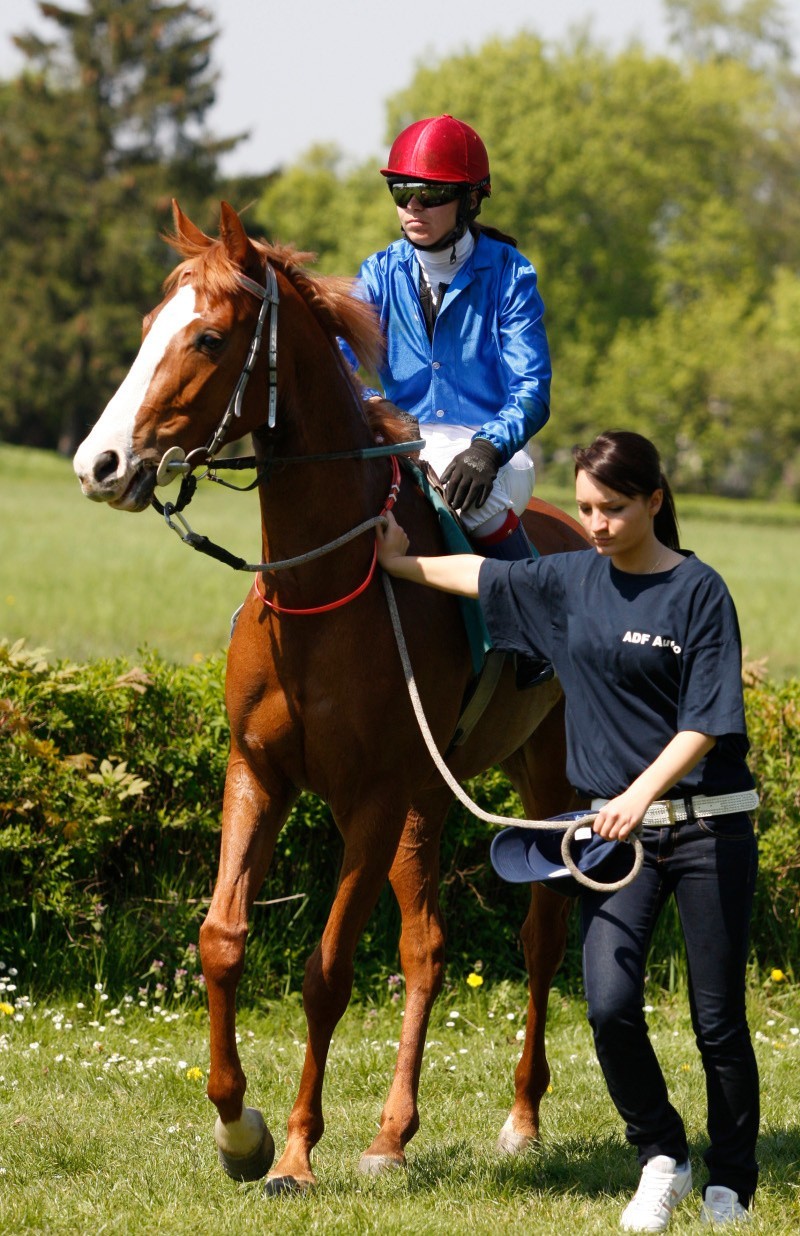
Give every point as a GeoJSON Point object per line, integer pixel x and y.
{"type": "Point", "coordinates": [299, 72]}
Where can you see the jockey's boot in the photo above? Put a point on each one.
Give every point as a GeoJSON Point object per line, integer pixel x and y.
{"type": "Point", "coordinates": [510, 544]}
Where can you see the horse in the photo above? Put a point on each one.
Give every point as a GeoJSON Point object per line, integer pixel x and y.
{"type": "Point", "coordinates": [315, 693]}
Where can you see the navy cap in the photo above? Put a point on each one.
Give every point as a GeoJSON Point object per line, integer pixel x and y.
{"type": "Point", "coordinates": [523, 855]}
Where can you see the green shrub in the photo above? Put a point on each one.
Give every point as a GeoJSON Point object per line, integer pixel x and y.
{"type": "Point", "coordinates": [774, 725]}
{"type": "Point", "coordinates": [111, 780]}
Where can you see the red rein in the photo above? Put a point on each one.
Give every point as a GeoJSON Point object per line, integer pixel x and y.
{"type": "Point", "coordinates": [351, 596]}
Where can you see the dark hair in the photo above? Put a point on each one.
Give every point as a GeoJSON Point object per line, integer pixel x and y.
{"type": "Point", "coordinates": [630, 464]}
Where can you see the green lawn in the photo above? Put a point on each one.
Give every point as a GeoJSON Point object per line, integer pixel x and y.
{"type": "Point", "coordinates": [86, 581]}
{"type": "Point", "coordinates": [104, 1126]}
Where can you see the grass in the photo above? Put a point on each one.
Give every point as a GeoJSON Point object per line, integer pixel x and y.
{"type": "Point", "coordinates": [104, 1126]}
{"type": "Point", "coordinates": [85, 582]}
{"type": "Point", "coordinates": [90, 582]}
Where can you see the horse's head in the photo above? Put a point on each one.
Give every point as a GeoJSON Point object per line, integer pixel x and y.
{"type": "Point", "coordinates": [194, 346]}
{"type": "Point", "coordinates": [198, 344]}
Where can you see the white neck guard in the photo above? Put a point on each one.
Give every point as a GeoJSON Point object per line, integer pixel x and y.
{"type": "Point", "coordinates": [437, 267]}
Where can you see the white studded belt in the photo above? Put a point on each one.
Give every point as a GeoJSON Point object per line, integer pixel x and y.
{"type": "Point", "coordinates": [668, 811]}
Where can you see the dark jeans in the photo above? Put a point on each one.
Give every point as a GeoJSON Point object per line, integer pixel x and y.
{"type": "Point", "coordinates": [710, 867]}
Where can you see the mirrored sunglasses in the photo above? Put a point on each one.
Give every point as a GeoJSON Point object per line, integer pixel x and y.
{"type": "Point", "coordinates": [427, 194]}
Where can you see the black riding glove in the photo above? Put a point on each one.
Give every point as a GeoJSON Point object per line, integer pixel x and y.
{"type": "Point", "coordinates": [468, 479]}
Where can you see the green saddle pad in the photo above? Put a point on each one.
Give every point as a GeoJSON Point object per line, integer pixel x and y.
{"type": "Point", "coordinates": [456, 542]}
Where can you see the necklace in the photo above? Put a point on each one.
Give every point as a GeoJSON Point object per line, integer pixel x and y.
{"type": "Point", "coordinates": [656, 565]}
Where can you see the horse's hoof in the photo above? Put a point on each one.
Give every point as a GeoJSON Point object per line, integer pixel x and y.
{"type": "Point", "coordinates": [256, 1163]}
{"type": "Point", "coordinates": [277, 1186]}
{"type": "Point", "coordinates": [379, 1164]}
{"type": "Point", "coordinates": [252, 1166]}
{"type": "Point", "coordinates": [512, 1142]}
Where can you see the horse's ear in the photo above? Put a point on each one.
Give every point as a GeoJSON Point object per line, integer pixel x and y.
{"type": "Point", "coordinates": [186, 230]}
{"type": "Point", "coordinates": [233, 235]}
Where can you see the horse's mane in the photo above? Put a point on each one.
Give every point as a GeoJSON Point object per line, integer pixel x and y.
{"type": "Point", "coordinates": [330, 298]}
{"type": "Point", "coordinates": [390, 424]}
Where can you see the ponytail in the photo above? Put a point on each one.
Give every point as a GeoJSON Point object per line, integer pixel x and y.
{"type": "Point", "coordinates": [665, 524]}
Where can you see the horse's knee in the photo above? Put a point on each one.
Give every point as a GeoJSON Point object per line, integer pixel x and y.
{"type": "Point", "coordinates": [327, 984]}
{"type": "Point", "coordinates": [222, 949]}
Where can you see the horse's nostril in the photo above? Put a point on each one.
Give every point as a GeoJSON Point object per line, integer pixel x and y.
{"type": "Point", "coordinates": [105, 465]}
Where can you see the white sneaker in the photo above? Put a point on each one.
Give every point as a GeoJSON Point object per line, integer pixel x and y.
{"type": "Point", "coordinates": [662, 1186]}
{"type": "Point", "coordinates": [721, 1205]}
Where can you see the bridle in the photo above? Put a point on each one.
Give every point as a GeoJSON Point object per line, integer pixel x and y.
{"type": "Point", "coordinates": [175, 461]}
{"type": "Point", "coordinates": [362, 587]}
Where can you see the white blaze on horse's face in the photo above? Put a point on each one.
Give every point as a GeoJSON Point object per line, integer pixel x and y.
{"type": "Point", "coordinates": [106, 462]}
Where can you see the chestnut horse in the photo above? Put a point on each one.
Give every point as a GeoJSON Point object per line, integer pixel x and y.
{"type": "Point", "coordinates": [315, 692]}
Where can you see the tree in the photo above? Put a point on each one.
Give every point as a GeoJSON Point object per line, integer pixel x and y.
{"type": "Point", "coordinates": [101, 130]}
{"type": "Point", "coordinates": [658, 230]}
{"type": "Point", "coordinates": [339, 213]}
{"type": "Point", "coordinates": [753, 32]}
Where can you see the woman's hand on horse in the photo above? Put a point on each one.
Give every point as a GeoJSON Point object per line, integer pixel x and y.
{"type": "Point", "coordinates": [392, 542]}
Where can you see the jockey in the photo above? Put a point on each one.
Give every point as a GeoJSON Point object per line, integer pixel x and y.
{"type": "Point", "coordinates": [466, 349]}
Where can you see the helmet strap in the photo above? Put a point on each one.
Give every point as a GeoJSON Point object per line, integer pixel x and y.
{"type": "Point", "coordinates": [448, 241]}
{"type": "Point", "coordinates": [465, 216]}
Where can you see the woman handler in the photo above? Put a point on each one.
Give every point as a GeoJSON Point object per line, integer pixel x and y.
{"type": "Point", "coordinates": [645, 641]}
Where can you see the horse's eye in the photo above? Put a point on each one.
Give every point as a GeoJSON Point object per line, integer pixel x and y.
{"type": "Point", "coordinates": [209, 342]}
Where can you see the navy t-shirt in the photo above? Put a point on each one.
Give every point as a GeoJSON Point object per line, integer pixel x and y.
{"type": "Point", "coordinates": [640, 657]}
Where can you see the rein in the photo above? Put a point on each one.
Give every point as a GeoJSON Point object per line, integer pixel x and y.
{"type": "Point", "coordinates": [351, 596]}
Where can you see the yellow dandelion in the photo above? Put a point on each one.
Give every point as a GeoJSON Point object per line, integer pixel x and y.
{"type": "Point", "coordinates": [777, 976]}
{"type": "Point", "coordinates": [474, 980]}
{"type": "Point", "coordinates": [6, 1009]}
{"type": "Point", "coordinates": [198, 657]}
{"type": "Point", "coordinates": [194, 1074]}
{"type": "Point", "coordinates": [686, 1068]}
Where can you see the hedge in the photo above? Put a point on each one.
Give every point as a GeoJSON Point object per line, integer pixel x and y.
{"type": "Point", "coordinates": [111, 779]}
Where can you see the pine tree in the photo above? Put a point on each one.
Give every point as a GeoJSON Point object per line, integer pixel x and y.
{"type": "Point", "coordinates": [104, 126]}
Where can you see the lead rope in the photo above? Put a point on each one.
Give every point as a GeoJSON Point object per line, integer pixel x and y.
{"type": "Point", "coordinates": [466, 801]}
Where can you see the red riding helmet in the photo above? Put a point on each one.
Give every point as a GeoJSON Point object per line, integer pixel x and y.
{"type": "Point", "coordinates": [440, 148]}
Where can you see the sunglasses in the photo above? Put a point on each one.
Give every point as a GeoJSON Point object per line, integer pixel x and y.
{"type": "Point", "coordinates": [427, 194]}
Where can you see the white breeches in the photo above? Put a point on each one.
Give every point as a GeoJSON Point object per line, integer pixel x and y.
{"type": "Point", "coordinates": [511, 491]}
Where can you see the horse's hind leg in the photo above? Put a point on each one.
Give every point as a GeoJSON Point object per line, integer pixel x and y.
{"type": "Point", "coordinates": [370, 844]}
{"type": "Point", "coordinates": [415, 880]}
{"type": "Point", "coordinates": [251, 820]}
{"type": "Point", "coordinates": [537, 771]}
{"type": "Point", "coordinates": [543, 935]}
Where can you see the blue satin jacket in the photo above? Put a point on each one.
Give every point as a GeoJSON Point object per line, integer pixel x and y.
{"type": "Point", "coordinates": [488, 366]}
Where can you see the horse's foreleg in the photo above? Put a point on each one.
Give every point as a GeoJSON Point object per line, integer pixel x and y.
{"type": "Point", "coordinates": [251, 820]}
{"type": "Point", "coordinates": [368, 854]}
{"type": "Point", "coordinates": [415, 880]}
